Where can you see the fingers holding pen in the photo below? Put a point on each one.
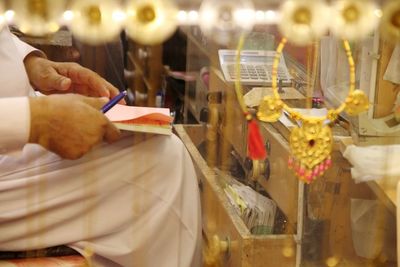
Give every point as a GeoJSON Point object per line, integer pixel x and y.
{"type": "Point", "coordinates": [70, 134]}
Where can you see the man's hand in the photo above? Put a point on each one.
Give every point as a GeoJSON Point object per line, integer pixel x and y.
{"type": "Point", "coordinates": [51, 77]}
{"type": "Point", "coordinates": [69, 125]}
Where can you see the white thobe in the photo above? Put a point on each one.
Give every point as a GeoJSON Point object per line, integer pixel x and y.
{"type": "Point", "coordinates": [130, 203]}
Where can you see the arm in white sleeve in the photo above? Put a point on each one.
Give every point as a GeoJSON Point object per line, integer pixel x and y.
{"type": "Point", "coordinates": [24, 49]}
{"type": "Point", "coordinates": [14, 123]}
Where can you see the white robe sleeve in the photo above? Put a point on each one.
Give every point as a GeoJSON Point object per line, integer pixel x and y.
{"type": "Point", "coordinates": [14, 123]}
{"type": "Point", "coordinates": [14, 91]}
{"type": "Point", "coordinates": [24, 49]}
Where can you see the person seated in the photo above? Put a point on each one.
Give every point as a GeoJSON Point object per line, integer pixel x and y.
{"type": "Point", "coordinates": [68, 177]}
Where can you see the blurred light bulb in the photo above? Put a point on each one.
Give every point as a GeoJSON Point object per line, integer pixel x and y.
{"type": "Point", "coordinates": [225, 20]}
{"type": "Point", "coordinates": [193, 16]}
{"type": "Point", "coordinates": [182, 16]}
{"type": "Point", "coordinates": [378, 13]}
{"type": "Point", "coordinates": [37, 17]}
{"type": "Point", "coordinates": [260, 16]}
{"type": "Point", "coordinates": [353, 19]}
{"type": "Point", "coordinates": [271, 16]}
{"type": "Point", "coordinates": [96, 21]}
{"type": "Point", "coordinates": [68, 15]}
{"type": "Point", "coordinates": [9, 15]}
{"type": "Point", "coordinates": [243, 14]}
{"type": "Point", "coordinates": [303, 21]}
{"type": "Point", "coordinates": [118, 16]}
{"type": "Point", "coordinates": [151, 22]}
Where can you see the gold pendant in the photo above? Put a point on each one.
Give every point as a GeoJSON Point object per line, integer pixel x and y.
{"type": "Point", "coordinates": [270, 109]}
{"type": "Point", "coordinates": [310, 146]}
{"type": "Point", "coordinates": [356, 102]}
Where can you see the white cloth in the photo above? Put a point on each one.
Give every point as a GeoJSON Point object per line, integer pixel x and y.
{"type": "Point", "coordinates": [373, 162]}
{"type": "Point", "coordinates": [14, 110]}
{"type": "Point", "coordinates": [131, 204]}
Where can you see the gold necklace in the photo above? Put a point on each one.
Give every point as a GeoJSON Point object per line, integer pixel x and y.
{"type": "Point", "coordinates": [310, 143]}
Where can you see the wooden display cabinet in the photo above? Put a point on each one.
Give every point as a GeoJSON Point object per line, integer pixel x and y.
{"type": "Point", "coordinates": [227, 240]}
{"type": "Point", "coordinates": [318, 230]}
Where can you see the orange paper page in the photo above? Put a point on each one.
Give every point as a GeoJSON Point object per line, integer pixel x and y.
{"type": "Point", "coordinates": [132, 113]}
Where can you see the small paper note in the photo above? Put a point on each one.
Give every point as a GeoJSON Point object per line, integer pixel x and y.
{"type": "Point", "coordinates": [129, 113]}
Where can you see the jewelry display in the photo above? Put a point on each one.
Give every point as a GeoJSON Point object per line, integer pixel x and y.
{"type": "Point", "coordinates": [311, 143]}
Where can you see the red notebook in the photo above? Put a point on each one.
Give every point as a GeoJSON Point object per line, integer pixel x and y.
{"type": "Point", "coordinates": [141, 119]}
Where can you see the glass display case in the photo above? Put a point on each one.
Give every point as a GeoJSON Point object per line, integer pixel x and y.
{"type": "Point", "coordinates": [339, 217]}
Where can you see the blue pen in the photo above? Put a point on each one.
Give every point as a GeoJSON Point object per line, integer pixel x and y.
{"type": "Point", "coordinates": [113, 102]}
